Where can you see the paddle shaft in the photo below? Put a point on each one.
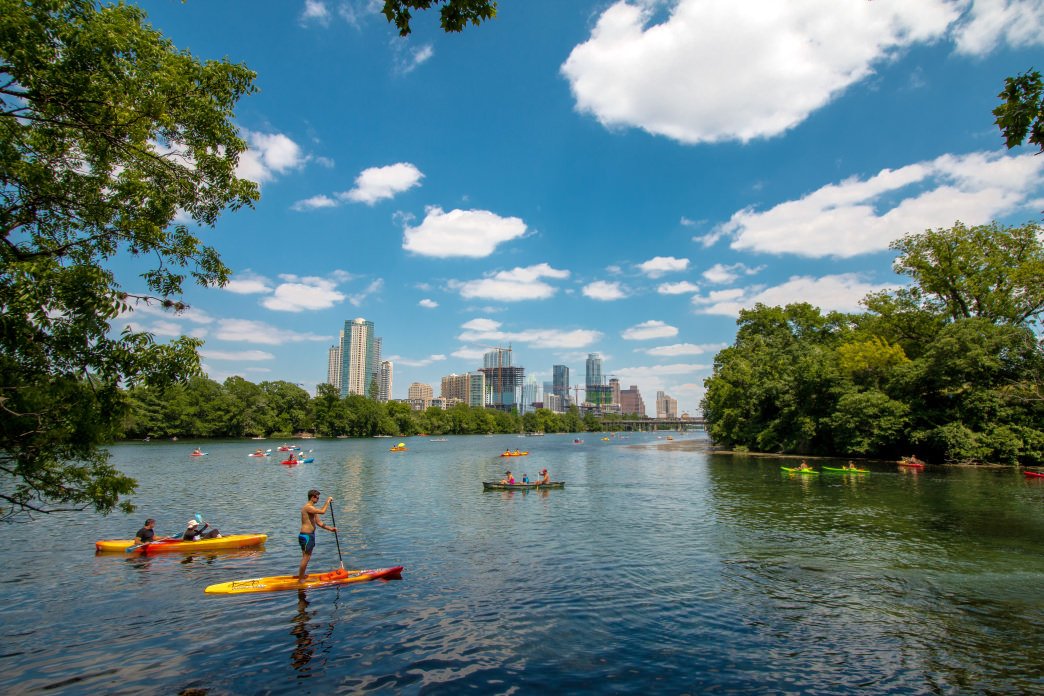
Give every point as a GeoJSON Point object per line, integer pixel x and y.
{"type": "Point", "coordinates": [337, 538]}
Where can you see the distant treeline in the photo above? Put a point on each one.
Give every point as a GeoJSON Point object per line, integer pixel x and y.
{"type": "Point", "coordinates": [950, 367]}
{"type": "Point", "coordinates": [237, 408]}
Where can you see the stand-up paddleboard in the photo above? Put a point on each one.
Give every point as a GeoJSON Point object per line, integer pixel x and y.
{"type": "Point", "coordinates": [276, 583]}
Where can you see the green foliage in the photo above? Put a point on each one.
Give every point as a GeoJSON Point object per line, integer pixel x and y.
{"type": "Point", "coordinates": [107, 131]}
{"type": "Point", "coordinates": [1021, 114]}
{"type": "Point", "coordinates": [454, 15]}
{"type": "Point", "coordinates": [949, 366]}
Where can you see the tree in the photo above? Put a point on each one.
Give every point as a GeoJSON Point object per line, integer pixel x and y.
{"type": "Point", "coordinates": [989, 271]}
{"type": "Point", "coordinates": [107, 132]}
{"type": "Point", "coordinates": [454, 15]}
{"type": "Point", "coordinates": [1021, 115]}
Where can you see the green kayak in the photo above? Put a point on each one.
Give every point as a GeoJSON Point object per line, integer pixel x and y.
{"type": "Point", "coordinates": [846, 471]}
{"type": "Point", "coordinates": [795, 470]}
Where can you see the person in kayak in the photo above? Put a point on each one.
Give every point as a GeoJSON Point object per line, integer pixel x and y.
{"type": "Point", "coordinates": [508, 478]}
{"type": "Point", "coordinates": [145, 535]}
{"type": "Point", "coordinates": [545, 477]}
{"type": "Point", "coordinates": [309, 521]}
{"type": "Point", "coordinates": [195, 532]}
{"type": "Point", "coordinates": [804, 466]}
{"type": "Point", "coordinates": [851, 465]}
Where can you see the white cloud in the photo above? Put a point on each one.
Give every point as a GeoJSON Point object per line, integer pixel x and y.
{"type": "Point", "coordinates": [358, 298]}
{"type": "Point", "coordinates": [649, 329]}
{"type": "Point", "coordinates": [165, 328]}
{"type": "Point", "coordinates": [244, 355]}
{"type": "Point", "coordinates": [720, 274]}
{"type": "Point", "coordinates": [684, 349]}
{"type": "Point", "coordinates": [250, 331]}
{"type": "Point", "coordinates": [679, 288]}
{"type": "Point", "coordinates": [604, 290]}
{"type": "Point", "coordinates": [488, 332]}
{"type": "Point", "coordinates": [315, 11]}
{"type": "Point", "coordinates": [470, 233]}
{"type": "Point", "coordinates": [512, 286]}
{"type": "Point", "coordinates": [428, 303]}
{"type": "Point", "coordinates": [298, 294]}
{"type": "Point", "coordinates": [467, 353]}
{"type": "Point", "coordinates": [419, 362]}
{"type": "Point", "coordinates": [712, 72]}
{"type": "Point", "coordinates": [661, 265]}
{"type": "Point", "coordinates": [861, 216]}
{"type": "Point", "coordinates": [378, 183]}
{"type": "Point", "coordinates": [248, 283]}
{"type": "Point", "coordinates": [408, 57]}
{"type": "Point", "coordinates": [315, 203]}
{"type": "Point", "coordinates": [267, 155]}
{"type": "Point", "coordinates": [988, 23]}
{"type": "Point", "coordinates": [833, 292]}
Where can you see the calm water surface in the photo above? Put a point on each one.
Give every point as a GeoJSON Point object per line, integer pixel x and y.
{"type": "Point", "coordinates": [678, 571]}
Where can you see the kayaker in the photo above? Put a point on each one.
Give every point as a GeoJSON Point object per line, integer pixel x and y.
{"type": "Point", "coordinates": [309, 521]}
{"type": "Point", "coordinates": [197, 451]}
{"type": "Point", "coordinates": [195, 532]}
{"type": "Point", "coordinates": [525, 478]}
{"type": "Point", "coordinates": [146, 534]}
{"type": "Point", "coordinates": [851, 465]}
{"type": "Point", "coordinates": [508, 478]}
{"type": "Point", "coordinates": [546, 477]}
{"type": "Point", "coordinates": [804, 466]}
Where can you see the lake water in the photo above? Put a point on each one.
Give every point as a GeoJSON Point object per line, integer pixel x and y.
{"type": "Point", "coordinates": [672, 570]}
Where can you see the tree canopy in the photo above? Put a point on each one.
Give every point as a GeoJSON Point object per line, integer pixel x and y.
{"type": "Point", "coordinates": [949, 366]}
{"type": "Point", "coordinates": [108, 134]}
{"type": "Point", "coordinates": [454, 15]}
{"type": "Point", "coordinates": [1020, 116]}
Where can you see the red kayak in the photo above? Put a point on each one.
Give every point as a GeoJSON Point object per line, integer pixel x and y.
{"type": "Point", "coordinates": [290, 462]}
{"type": "Point", "coordinates": [911, 463]}
{"type": "Point", "coordinates": [1033, 474]}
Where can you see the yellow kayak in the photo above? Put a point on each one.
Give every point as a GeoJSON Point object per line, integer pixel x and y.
{"type": "Point", "coordinates": [312, 580]}
{"type": "Point", "coordinates": [232, 541]}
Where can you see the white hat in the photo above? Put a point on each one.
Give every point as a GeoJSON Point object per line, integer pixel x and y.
{"type": "Point", "coordinates": [192, 523]}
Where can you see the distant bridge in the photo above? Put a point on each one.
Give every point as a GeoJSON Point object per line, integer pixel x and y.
{"type": "Point", "coordinates": [654, 424]}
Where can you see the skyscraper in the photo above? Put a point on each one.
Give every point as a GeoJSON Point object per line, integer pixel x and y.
{"type": "Point", "coordinates": [631, 401]}
{"type": "Point", "coordinates": [358, 367]}
{"type": "Point", "coordinates": [503, 380]}
{"type": "Point", "coordinates": [598, 394]}
{"type": "Point", "coordinates": [384, 381]}
{"type": "Point", "coordinates": [333, 365]}
{"type": "Point", "coordinates": [560, 382]}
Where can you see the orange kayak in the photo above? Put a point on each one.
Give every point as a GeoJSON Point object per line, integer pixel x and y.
{"type": "Point", "coordinates": [231, 541]}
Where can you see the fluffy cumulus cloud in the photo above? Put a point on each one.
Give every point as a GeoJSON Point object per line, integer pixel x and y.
{"type": "Point", "coordinates": [250, 331]}
{"type": "Point", "coordinates": [488, 332]}
{"type": "Point", "coordinates": [604, 290]}
{"type": "Point", "coordinates": [709, 72]}
{"type": "Point", "coordinates": [680, 288]}
{"type": "Point", "coordinates": [834, 292]}
{"type": "Point", "coordinates": [512, 286]}
{"type": "Point", "coordinates": [268, 155]}
{"type": "Point", "coordinates": [677, 349]}
{"type": "Point", "coordinates": [378, 183]}
{"type": "Point", "coordinates": [661, 265]}
{"type": "Point", "coordinates": [428, 303]}
{"type": "Point", "coordinates": [242, 355]}
{"type": "Point", "coordinates": [859, 216]}
{"type": "Point", "coordinates": [315, 11]}
{"type": "Point", "coordinates": [315, 203]}
{"type": "Point", "coordinates": [721, 274]}
{"type": "Point", "coordinates": [297, 294]}
{"type": "Point", "coordinates": [468, 233]}
{"type": "Point", "coordinates": [248, 283]}
{"type": "Point", "coordinates": [649, 330]}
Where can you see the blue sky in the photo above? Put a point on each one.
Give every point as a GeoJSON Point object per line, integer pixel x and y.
{"type": "Point", "coordinates": [577, 177]}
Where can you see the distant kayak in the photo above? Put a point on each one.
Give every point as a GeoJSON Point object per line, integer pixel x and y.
{"type": "Point", "coordinates": [514, 454]}
{"type": "Point", "coordinates": [497, 486]}
{"type": "Point", "coordinates": [1033, 474]}
{"type": "Point", "coordinates": [232, 541]}
{"type": "Point", "coordinates": [912, 463]}
{"type": "Point", "coordinates": [277, 583]}
{"type": "Point", "coordinates": [846, 471]}
{"type": "Point", "coordinates": [795, 470]}
{"type": "Point", "coordinates": [199, 454]}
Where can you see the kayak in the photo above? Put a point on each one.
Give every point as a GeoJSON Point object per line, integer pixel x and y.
{"type": "Point", "coordinates": [846, 471]}
{"type": "Point", "coordinates": [306, 461]}
{"type": "Point", "coordinates": [497, 486]}
{"type": "Point", "coordinates": [514, 454]}
{"type": "Point", "coordinates": [907, 462]}
{"type": "Point", "coordinates": [290, 462]}
{"type": "Point", "coordinates": [276, 583]}
{"type": "Point", "coordinates": [1033, 474]}
{"type": "Point", "coordinates": [199, 454]}
{"type": "Point", "coordinates": [231, 541]}
{"type": "Point", "coordinates": [257, 455]}
{"type": "Point", "coordinates": [795, 470]}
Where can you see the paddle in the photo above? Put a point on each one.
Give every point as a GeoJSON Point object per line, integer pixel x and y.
{"type": "Point", "coordinates": [337, 537]}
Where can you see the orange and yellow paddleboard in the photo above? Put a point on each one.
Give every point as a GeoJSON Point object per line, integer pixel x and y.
{"type": "Point", "coordinates": [276, 583]}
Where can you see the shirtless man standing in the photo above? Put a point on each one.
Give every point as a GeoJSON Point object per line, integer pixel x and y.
{"type": "Point", "coordinates": [309, 521]}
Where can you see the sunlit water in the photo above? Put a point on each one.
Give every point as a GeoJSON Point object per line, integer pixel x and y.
{"type": "Point", "coordinates": [666, 570]}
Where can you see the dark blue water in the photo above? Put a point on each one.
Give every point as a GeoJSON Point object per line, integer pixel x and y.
{"type": "Point", "coordinates": [654, 569]}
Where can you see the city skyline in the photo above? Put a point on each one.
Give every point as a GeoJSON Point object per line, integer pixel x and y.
{"type": "Point", "coordinates": [616, 177]}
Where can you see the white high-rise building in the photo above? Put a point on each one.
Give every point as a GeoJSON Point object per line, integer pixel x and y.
{"type": "Point", "coordinates": [384, 381]}
{"type": "Point", "coordinates": [333, 366]}
{"type": "Point", "coordinates": [357, 357]}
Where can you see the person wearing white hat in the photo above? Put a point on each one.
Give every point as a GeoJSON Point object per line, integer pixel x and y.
{"type": "Point", "coordinates": [197, 531]}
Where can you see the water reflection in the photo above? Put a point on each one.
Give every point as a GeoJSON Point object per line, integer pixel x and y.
{"type": "Point", "coordinates": [303, 648]}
